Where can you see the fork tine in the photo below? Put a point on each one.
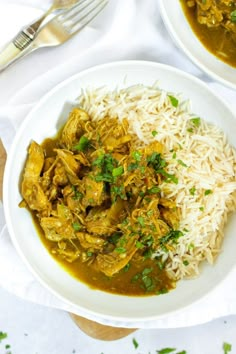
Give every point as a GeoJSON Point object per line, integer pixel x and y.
{"type": "Point", "coordinates": [81, 16]}
{"type": "Point", "coordinates": [79, 7]}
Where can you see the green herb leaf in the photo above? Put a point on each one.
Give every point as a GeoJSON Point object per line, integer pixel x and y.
{"type": "Point", "coordinates": [154, 133]}
{"type": "Point", "coordinates": [173, 101]}
{"type": "Point", "coordinates": [133, 166]}
{"type": "Point", "coordinates": [196, 121]}
{"type": "Point", "coordinates": [140, 219]}
{"type": "Point", "coordinates": [137, 155]}
{"type": "Point", "coordinates": [147, 271]}
{"type": "Point", "coordinates": [192, 190]}
{"type": "Point", "coordinates": [173, 235]}
{"type": "Point", "coordinates": [139, 245]}
{"type": "Point", "coordinates": [120, 249]}
{"type": "Point", "coordinates": [83, 144]}
{"type": "Point", "coordinates": [2, 336]}
{"type": "Point", "coordinates": [76, 226]}
{"type": "Point", "coordinates": [154, 190]}
{"type": "Point", "coordinates": [169, 177]}
{"type": "Point", "coordinates": [182, 352]}
{"type": "Point", "coordinates": [208, 191]}
{"type": "Point", "coordinates": [174, 155]}
{"type": "Point", "coordinates": [166, 350]}
{"type": "Point", "coordinates": [118, 171]}
{"type": "Point", "coordinates": [150, 212]}
{"type": "Point", "coordinates": [127, 267]}
{"type": "Point", "coordinates": [162, 291]}
{"type": "Point", "coordinates": [233, 16]}
{"type": "Point", "coordinates": [118, 191]}
{"type": "Point", "coordinates": [201, 208]}
{"type": "Point", "coordinates": [182, 163]}
{"type": "Point", "coordinates": [135, 343]}
{"type": "Point", "coordinates": [227, 347]}
{"type": "Point", "coordinates": [185, 262]}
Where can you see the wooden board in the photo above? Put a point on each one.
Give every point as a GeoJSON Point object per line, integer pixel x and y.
{"type": "Point", "coordinates": [91, 328]}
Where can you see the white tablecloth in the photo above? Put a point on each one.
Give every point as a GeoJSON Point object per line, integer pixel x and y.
{"type": "Point", "coordinates": [127, 29]}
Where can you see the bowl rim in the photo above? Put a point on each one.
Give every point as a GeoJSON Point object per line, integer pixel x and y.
{"type": "Point", "coordinates": [187, 51]}
{"type": "Point", "coordinates": [90, 313]}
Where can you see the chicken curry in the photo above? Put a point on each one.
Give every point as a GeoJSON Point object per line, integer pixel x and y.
{"type": "Point", "coordinates": [214, 23]}
{"type": "Point", "coordinates": [95, 198]}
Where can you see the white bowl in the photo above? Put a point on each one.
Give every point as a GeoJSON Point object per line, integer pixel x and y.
{"type": "Point", "coordinates": [183, 35]}
{"type": "Point", "coordinates": [44, 121]}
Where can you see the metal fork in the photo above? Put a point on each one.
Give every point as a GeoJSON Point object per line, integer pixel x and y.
{"type": "Point", "coordinates": [57, 31]}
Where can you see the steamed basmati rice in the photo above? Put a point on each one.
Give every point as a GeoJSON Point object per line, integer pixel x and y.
{"type": "Point", "coordinates": [197, 153]}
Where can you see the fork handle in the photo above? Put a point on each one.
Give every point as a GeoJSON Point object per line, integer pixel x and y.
{"type": "Point", "coordinates": [10, 53]}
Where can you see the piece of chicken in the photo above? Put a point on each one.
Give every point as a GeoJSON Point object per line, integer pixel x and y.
{"type": "Point", "coordinates": [73, 128]}
{"type": "Point", "coordinates": [113, 262]}
{"type": "Point", "coordinates": [31, 189]}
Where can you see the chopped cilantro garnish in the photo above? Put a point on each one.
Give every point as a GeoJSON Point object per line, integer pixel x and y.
{"type": "Point", "coordinates": [233, 16]}
{"type": "Point", "coordinates": [208, 191]}
{"type": "Point", "coordinates": [139, 244]}
{"type": "Point", "coordinates": [77, 194]}
{"type": "Point", "coordinates": [147, 271]}
{"type": "Point", "coordinates": [196, 121]}
{"type": "Point", "coordinates": [118, 191]}
{"type": "Point", "coordinates": [191, 245]}
{"type": "Point", "coordinates": [118, 171]}
{"type": "Point", "coordinates": [201, 208]}
{"type": "Point", "coordinates": [162, 291]}
{"type": "Point", "coordinates": [133, 166]}
{"type": "Point", "coordinates": [227, 347]}
{"type": "Point", "coordinates": [83, 144]}
{"type": "Point", "coordinates": [149, 212]}
{"type": "Point", "coordinates": [173, 101]}
{"type": "Point", "coordinates": [137, 155]}
{"type": "Point", "coordinates": [107, 165]}
{"type": "Point", "coordinates": [174, 155]}
{"type": "Point", "coordinates": [120, 249]}
{"type": "Point", "coordinates": [192, 190]}
{"type": "Point", "coordinates": [173, 235]}
{"type": "Point", "coordinates": [140, 219]}
{"type": "Point", "coordinates": [190, 130]}
{"type": "Point", "coordinates": [147, 282]}
{"type": "Point", "coordinates": [154, 190]}
{"type": "Point", "coordinates": [185, 262]}
{"type": "Point", "coordinates": [127, 267]}
{"type": "Point", "coordinates": [76, 226]}
{"type": "Point", "coordinates": [135, 343]}
{"type": "Point", "coordinates": [169, 177]}
{"type": "Point", "coordinates": [182, 163]}
{"type": "Point", "coordinates": [154, 133]}
{"type": "Point", "coordinates": [166, 350]}
{"type": "Point", "coordinates": [2, 336]}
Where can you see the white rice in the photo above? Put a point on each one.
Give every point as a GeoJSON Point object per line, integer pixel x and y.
{"type": "Point", "coordinates": [210, 160]}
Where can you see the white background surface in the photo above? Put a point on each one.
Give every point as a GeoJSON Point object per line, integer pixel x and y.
{"type": "Point", "coordinates": [34, 329]}
{"type": "Point", "coordinates": [31, 328]}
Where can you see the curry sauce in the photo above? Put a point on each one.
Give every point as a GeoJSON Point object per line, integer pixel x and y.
{"type": "Point", "coordinates": [95, 201]}
{"type": "Point", "coordinates": [214, 23]}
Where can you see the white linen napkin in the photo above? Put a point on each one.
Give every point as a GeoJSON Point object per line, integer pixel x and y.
{"type": "Point", "coordinates": [127, 29]}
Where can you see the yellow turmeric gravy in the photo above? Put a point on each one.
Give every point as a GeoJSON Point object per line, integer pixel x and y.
{"type": "Point", "coordinates": [141, 277]}
{"type": "Point", "coordinates": [217, 40]}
